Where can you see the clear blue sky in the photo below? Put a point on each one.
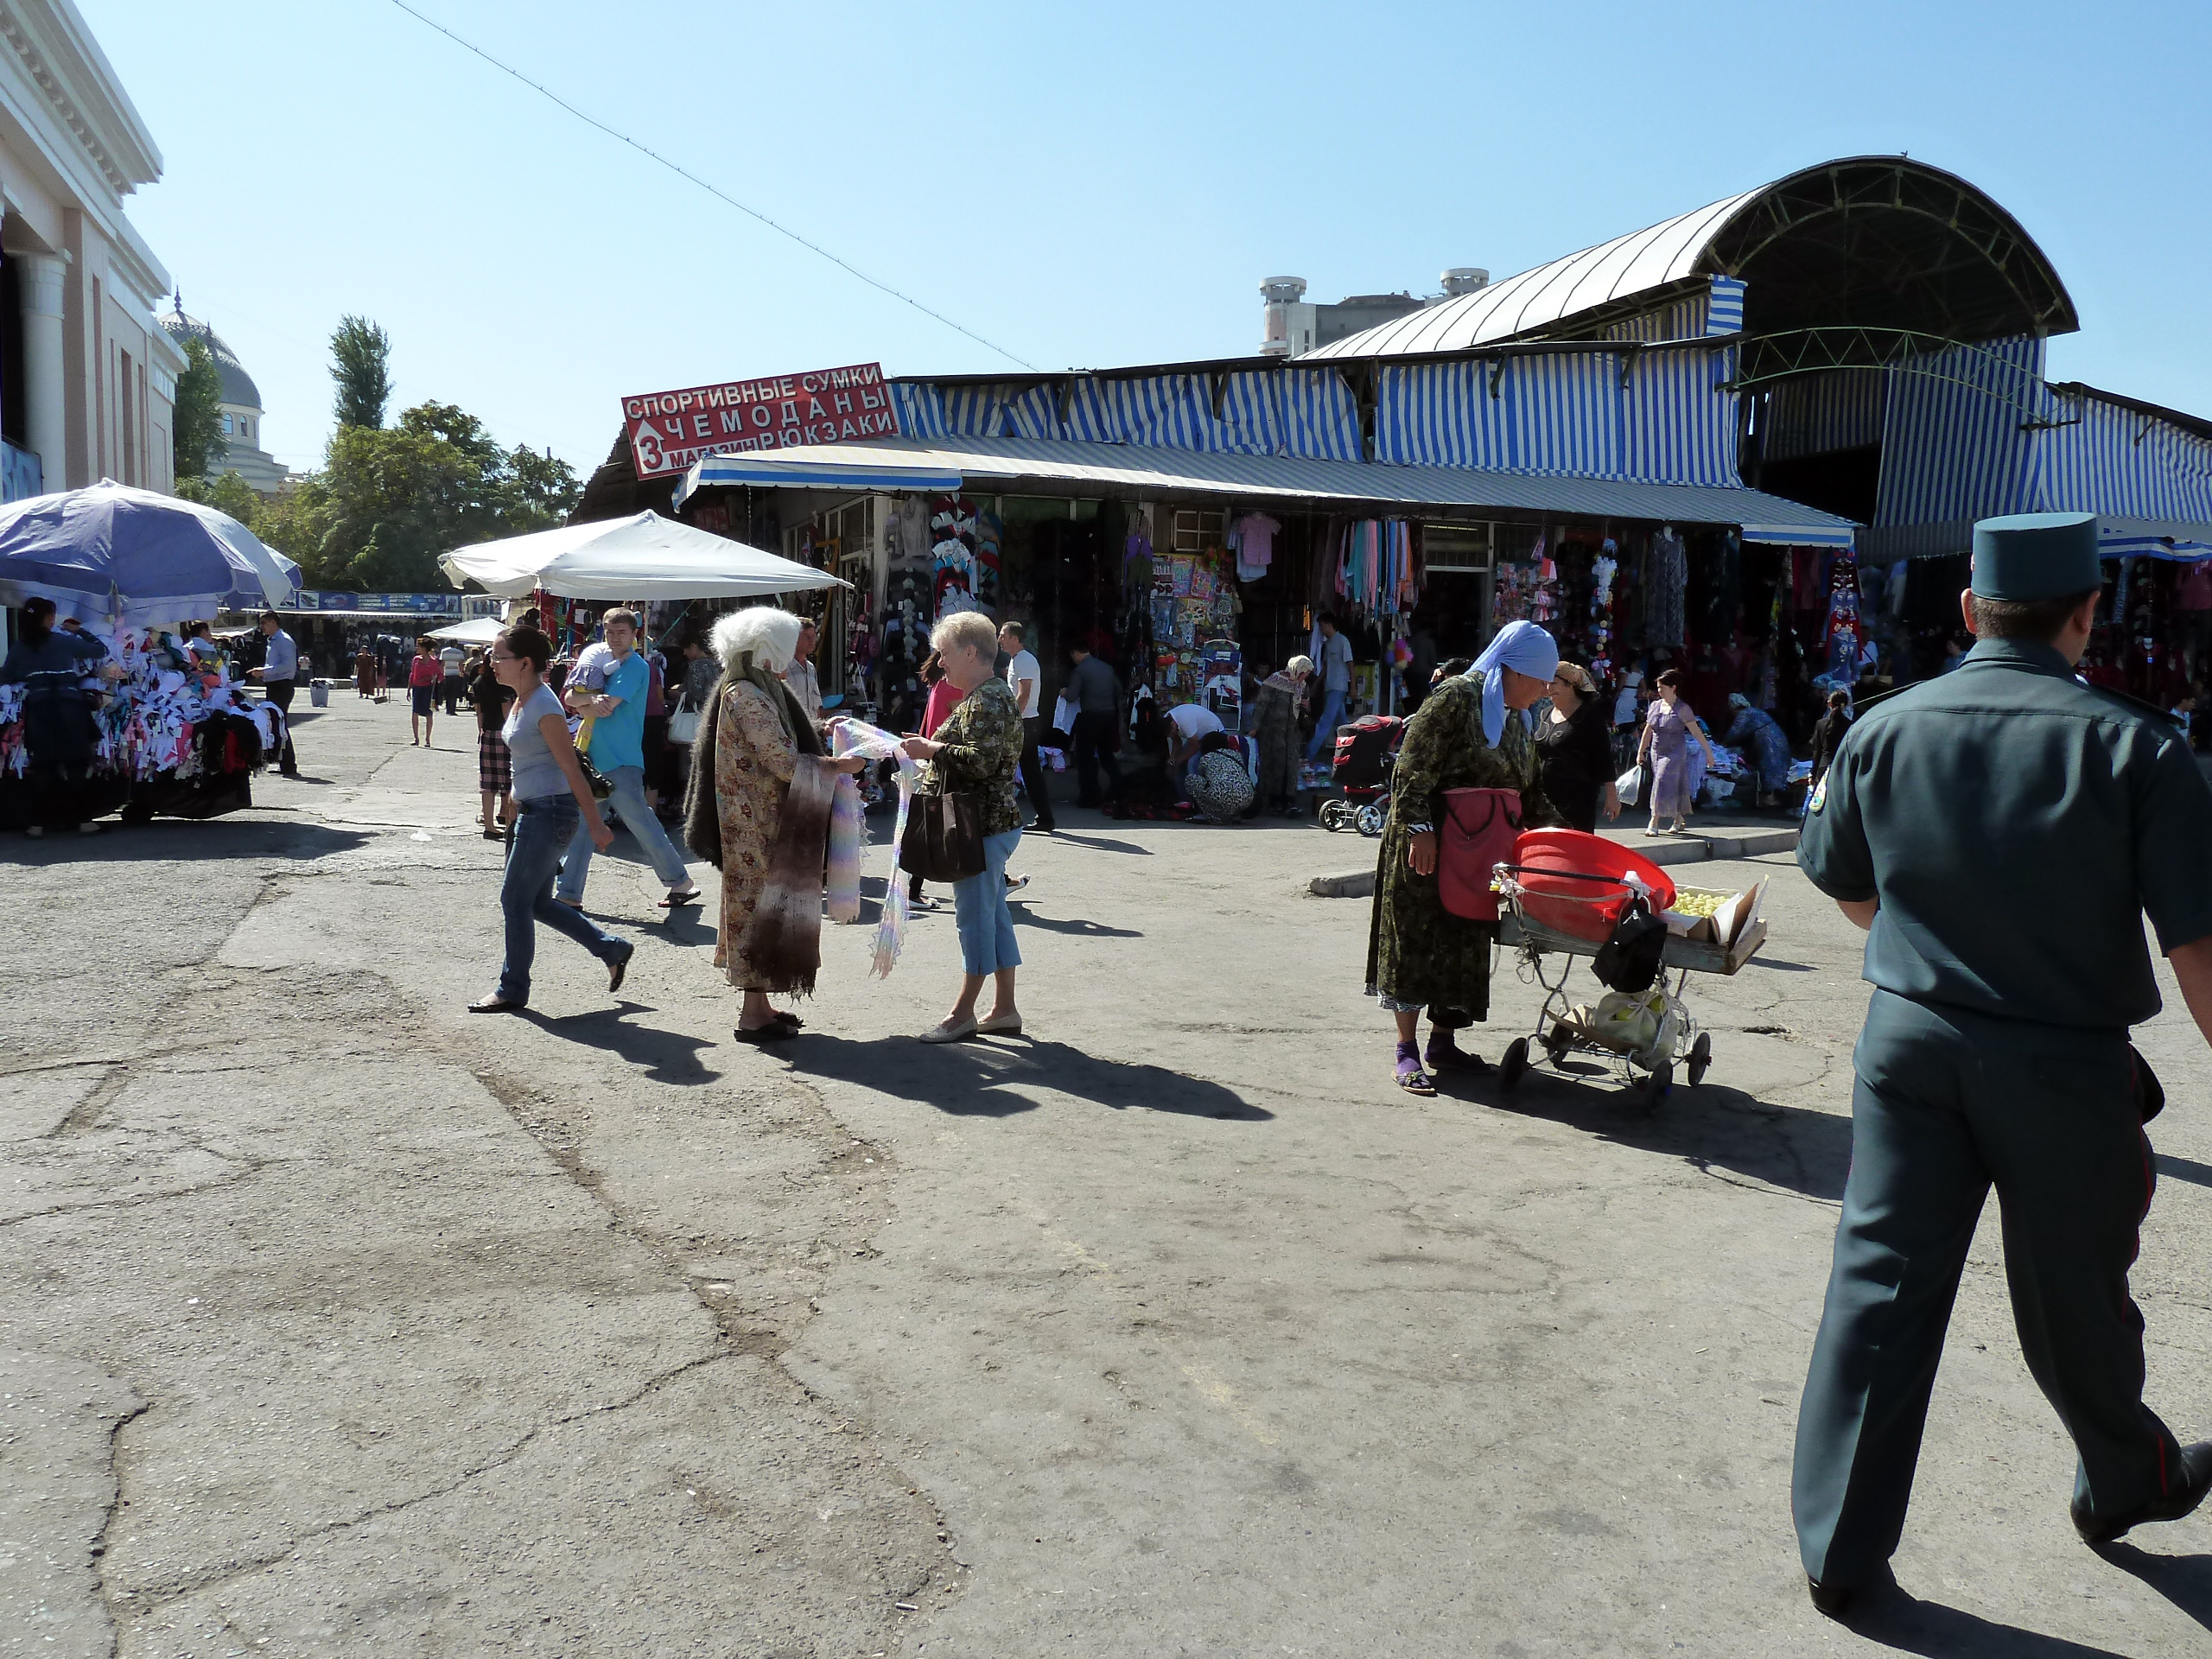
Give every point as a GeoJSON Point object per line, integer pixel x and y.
{"type": "Point", "coordinates": [1086, 185]}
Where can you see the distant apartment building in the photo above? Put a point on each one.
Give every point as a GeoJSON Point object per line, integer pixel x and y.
{"type": "Point", "coordinates": [87, 377]}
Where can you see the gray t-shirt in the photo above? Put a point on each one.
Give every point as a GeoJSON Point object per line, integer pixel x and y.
{"type": "Point", "coordinates": [536, 774]}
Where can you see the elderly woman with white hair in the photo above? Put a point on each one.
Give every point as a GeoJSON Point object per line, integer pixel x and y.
{"type": "Point", "coordinates": [755, 741]}
{"type": "Point", "coordinates": [1469, 733]}
{"type": "Point", "coordinates": [1274, 728]}
{"type": "Point", "coordinates": [977, 750]}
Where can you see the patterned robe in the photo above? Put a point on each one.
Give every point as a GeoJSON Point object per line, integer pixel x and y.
{"type": "Point", "coordinates": [753, 763]}
{"type": "Point", "coordinates": [1420, 954]}
{"type": "Point", "coordinates": [1274, 724]}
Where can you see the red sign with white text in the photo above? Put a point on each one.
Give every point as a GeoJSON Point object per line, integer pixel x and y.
{"type": "Point", "coordinates": [668, 430]}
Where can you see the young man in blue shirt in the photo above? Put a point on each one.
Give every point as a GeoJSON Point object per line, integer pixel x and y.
{"type": "Point", "coordinates": [617, 751]}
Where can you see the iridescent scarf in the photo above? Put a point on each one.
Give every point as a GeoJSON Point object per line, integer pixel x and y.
{"type": "Point", "coordinates": [849, 736]}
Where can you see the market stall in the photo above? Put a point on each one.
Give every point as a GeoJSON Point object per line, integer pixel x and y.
{"type": "Point", "coordinates": [176, 734]}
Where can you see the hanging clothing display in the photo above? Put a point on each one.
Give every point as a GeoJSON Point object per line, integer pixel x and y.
{"type": "Point", "coordinates": [1667, 573]}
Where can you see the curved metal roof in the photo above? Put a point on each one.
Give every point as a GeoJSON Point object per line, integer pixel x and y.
{"type": "Point", "coordinates": [1871, 241]}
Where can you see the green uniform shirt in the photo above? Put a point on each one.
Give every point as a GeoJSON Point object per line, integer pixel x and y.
{"type": "Point", "coordinates": [2015, 824]}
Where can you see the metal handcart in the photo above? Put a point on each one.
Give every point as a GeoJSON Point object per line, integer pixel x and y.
{"type": "Point", "coordinates": [1649, 1067]}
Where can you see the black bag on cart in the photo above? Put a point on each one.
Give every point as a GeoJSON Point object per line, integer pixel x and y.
{"type": "Point", "coordinates": [1629, 960]}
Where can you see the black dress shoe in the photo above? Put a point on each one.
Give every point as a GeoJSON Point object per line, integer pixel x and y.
{"type": "Point", "coordinates": [2188, 1492]}
{"type": "Point", "coordinates": [1832, 1599]}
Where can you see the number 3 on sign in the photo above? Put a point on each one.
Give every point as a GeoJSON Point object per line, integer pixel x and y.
{"type": "Point", "coordinates": [649, 457]}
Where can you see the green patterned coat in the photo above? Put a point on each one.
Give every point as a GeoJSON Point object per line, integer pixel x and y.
{"type": "Point", "coordinates": [982, 754]}
{"type": "Point", "coordinates": [1418, 953]}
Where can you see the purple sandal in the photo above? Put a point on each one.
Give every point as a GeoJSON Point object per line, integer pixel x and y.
{"type": "Point", "coordinates": [1410, 1078]}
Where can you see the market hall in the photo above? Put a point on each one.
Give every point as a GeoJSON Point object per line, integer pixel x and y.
{"type": "Point", "coordinates": [1748, 443]}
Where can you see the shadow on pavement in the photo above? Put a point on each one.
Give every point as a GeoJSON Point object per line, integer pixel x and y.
{"type": "Point", "coordinates": [1786, 967]}
{"type": "Point", "coordinates": [1078, 926]}
{"type": "Point", "coordinates": [180, 839]}
{"type": "Point", "coordinates": [2184, 1169]}
{"type": "Point", "coordinates": [2186, 1580]}
{"type": "Point", "coordinates": [662, 1056]}
{"type": "Point", "coordinates": [1712, 1127]}
{"type": "Point", "coordinates": [1900, 1620]}
{"type": "Point", "coordinates": [985, 1078]}
{"type": "Point", "coordinates": [1101, 843]}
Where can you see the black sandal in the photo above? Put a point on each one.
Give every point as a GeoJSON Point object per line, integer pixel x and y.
{"type": "Point", "coordinates": [785, 1018]}
{"type": "Point", "coordinates": [774, 1031]}
{"type": "Point", "coordinates": [496, 1005]}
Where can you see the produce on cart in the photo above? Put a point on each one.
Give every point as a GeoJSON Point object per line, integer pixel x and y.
{"type": "Point", "coordinates": [1568, 894]}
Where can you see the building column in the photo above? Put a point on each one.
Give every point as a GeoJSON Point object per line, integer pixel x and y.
{"type": "Point", "coordinates": [41, 278]}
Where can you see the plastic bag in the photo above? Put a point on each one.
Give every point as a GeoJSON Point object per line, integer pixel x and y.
{"type": "Point", "coordinates": [1629, 785]}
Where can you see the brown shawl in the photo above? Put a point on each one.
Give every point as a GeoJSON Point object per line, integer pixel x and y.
{"type": "Point", "coordinates": [783, 940]}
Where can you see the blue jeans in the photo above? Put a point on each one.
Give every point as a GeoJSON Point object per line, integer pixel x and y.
{"type": "Point", "coordinates": [979, 911]}
{"type": "Point", "coordinates": [543, 827]}
{"type": "Point", "coordinates": [629, 801]}
{"type": "Point", "coordinates": [1325, 729]}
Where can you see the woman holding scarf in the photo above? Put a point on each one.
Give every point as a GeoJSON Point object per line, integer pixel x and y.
{"type": "Point", "coordinates": [1469, 733]}
{"type": "Point", "coordinates": [758, 809]}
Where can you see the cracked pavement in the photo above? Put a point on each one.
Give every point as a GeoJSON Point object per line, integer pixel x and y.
{"type": "Point", "coordinates": [334, 1321]}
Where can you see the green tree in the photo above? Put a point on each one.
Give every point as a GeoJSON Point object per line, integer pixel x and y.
{"type": "Point", "coordinates": [229, 494]}
{"type": "Point", "coordinates": [389, 501]}
{"type": "Point", "coordinates": [198, 424]}
{"type": "Point", "coordinates": [361, 363]}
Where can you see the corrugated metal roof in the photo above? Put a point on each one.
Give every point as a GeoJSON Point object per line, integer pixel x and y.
{"type": "Point", "coordinates": [1656, 257]}
{"type": "Point", "coordinates": [1142, 470]}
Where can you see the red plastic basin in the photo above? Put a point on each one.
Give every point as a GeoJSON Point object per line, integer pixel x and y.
{"type": "Point", "coordinates": [1553, 895]}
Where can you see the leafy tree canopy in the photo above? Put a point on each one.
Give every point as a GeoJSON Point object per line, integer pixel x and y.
{"type": "Point", "coordinates": [389, 501]}
{"type": "Point", "coordinates": [360, 355]}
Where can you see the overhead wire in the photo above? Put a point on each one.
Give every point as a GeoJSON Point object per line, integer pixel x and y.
{"type": "Point", "coordinates": [715, 191]}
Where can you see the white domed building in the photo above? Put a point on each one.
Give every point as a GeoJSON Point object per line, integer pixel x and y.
{"type": "Point", "coordinates": [240, 405]}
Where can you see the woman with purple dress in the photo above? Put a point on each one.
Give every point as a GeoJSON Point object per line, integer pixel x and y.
{"type": "Point", "coordinates": [1667, 729]}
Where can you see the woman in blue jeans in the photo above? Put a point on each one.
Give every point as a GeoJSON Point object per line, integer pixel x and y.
{"type": "Point", "coordinates": [978, 751]}
{"type": "Point", "coordinates": [551, 798]}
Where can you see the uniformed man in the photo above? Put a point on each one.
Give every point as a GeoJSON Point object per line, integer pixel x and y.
{"type": "Point", "coordinates": [2000, 832]}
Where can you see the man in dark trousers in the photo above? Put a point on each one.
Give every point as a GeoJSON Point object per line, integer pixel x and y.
{"type": "Point", "coordinates": [1098, 696]}
{"type": "Point", "coordinates": [279, 674]}
{"type": "Point", "coordinates": [2000, 832]}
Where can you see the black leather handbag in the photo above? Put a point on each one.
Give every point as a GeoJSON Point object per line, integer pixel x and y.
{"type": "Point", "coordinates": [944, 837]}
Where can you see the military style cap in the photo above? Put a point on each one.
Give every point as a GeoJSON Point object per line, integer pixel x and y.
{"type": "Point", "coordinates": [2026, 556]}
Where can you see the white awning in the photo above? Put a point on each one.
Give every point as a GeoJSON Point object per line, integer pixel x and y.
{"type": "Point", "coordinates": [644, 557]}
{"type": "Point", "coordinates": [1137, 470]}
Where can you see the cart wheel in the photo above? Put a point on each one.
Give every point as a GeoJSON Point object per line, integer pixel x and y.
{"type": "Point", "coordinates": [1700, 1057]}
{"type": "Point", "coordinates": [1329, 810]}
{"type": "Point", "coordinates": [1370, 821]}
{"type": "Point", "coordinates": [1558, 1043]}
{"type": "Point", "coordinates": [1657, 1087]}
{"type": "Point", "coordinates": [1514, 1066]}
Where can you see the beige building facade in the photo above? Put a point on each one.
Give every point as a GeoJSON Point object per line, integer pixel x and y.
{"type": "Point", "coordinates": [87, 377]}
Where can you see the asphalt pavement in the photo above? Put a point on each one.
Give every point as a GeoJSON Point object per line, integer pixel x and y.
{"type": "Point", "coordinates": [335, 1320]}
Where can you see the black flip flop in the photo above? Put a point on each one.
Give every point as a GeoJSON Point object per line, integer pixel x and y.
{"type": "Point", "coordinates": [677, 900]}
{"type": "Point", "coordinates": [774, 1031]}
{"type": "Point", "coordinates": [496, 1005]}
{"type": "Point", "coordinates": [616, 970]}
{"type": "Point", "coordinates": [783, 1018]}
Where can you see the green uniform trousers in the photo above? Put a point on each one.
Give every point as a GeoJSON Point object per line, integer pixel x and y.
{"type": "Point", "coordinates": [1947, 1104]}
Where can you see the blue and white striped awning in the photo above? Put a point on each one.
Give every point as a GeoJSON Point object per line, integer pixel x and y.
{"type": "Point", "coordinates": [798, 468]}
{"type": "Point", "coordinates": [1141, 470]}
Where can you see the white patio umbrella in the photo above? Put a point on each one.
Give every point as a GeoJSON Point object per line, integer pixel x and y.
{"type": "Point", "coordinates": [645, 557]}
{"type": "Point", "coordinates": [482, 630]}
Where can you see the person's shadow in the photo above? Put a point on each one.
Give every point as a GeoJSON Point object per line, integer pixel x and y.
{"type": "Point", "coordinates": [1897, 1619]}
{"type": "Point", "coordinates": [2186, 1580]}
{"type": "Point", "coordinates": [662, 1056]}
{"type": "Point", "coordinates": [1711, 1127]}
{"type": "Point", "coordinates": [999, 1077]}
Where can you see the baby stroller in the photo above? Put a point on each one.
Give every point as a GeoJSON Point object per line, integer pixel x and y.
{"type": "Point", "coordinates": [1366, 750]}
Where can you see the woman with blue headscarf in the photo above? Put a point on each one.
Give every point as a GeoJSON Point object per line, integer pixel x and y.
{"type": "Point", "coordinates": [1470, 733]}
{"type": "Point", "coordinates": [1755, 732]}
